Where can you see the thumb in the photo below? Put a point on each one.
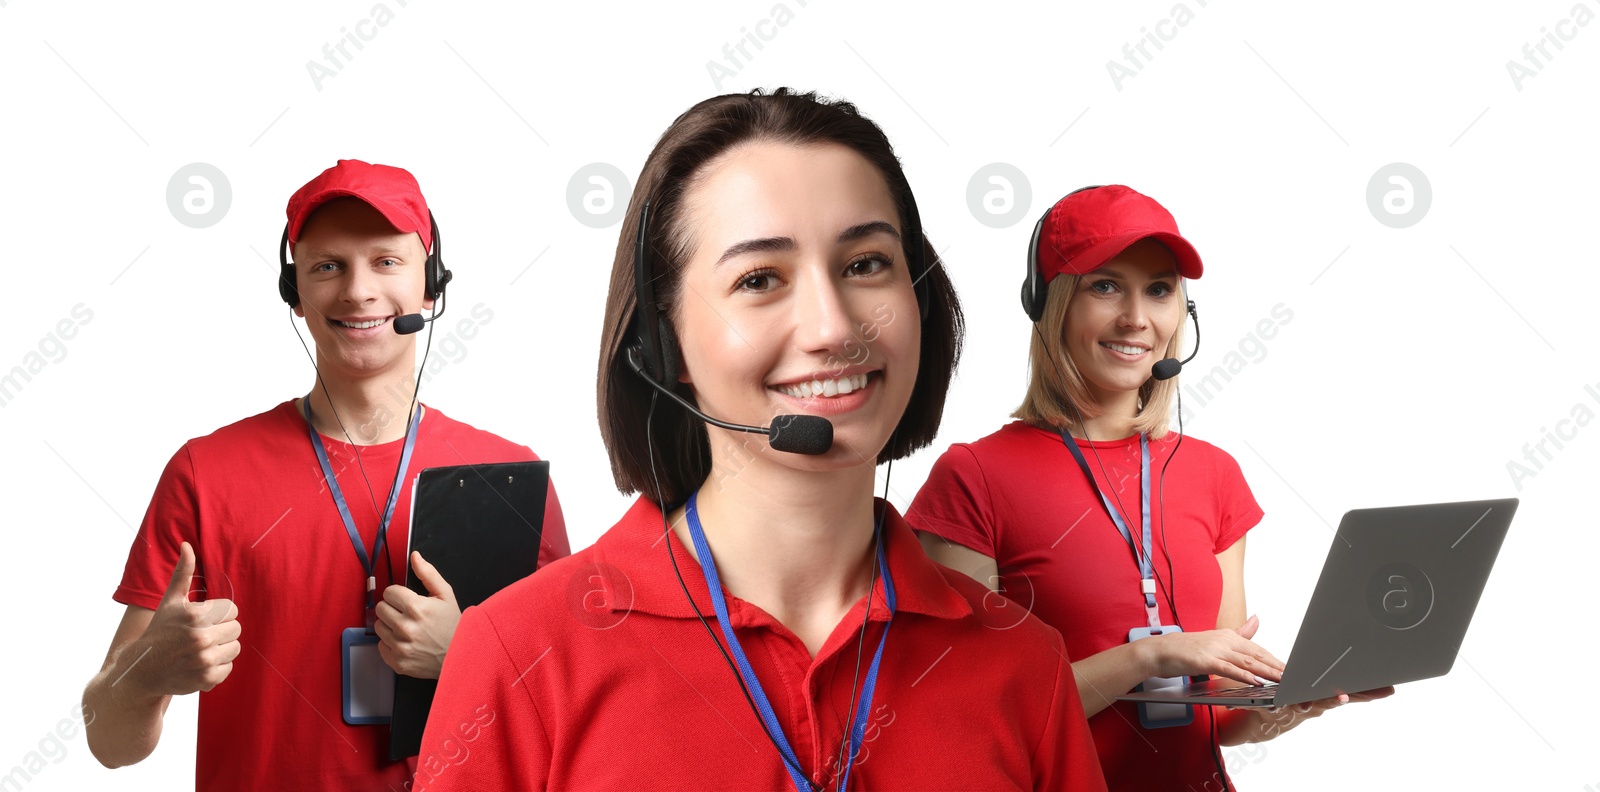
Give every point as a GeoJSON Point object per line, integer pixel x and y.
{"type": "Point", "coordinates": [182, 574]}
{"type": "Point", "coordinates": [431, 579]}
{"type": "Point", "coordinates": [1248, 629]}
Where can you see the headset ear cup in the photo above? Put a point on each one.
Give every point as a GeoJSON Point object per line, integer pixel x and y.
{"type": "Point", "coordinates": [670, 358]}
{"type": "Point", "coordinates": [438, 278]}
{"type": "Point", "coordinates": [437, 275]}
{"type": "Point", "coordinates": [1033, 286]}
{"type": "Point", "coordinates": [1033, 292]}
{"type": "Point", "coordinates": [286, 288]}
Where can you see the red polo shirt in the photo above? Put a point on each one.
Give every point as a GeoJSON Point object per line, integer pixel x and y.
{"type": "Point", "coordinates": [1018, 497]}
{"type": "Point", "coordinates": [251, 499]}
{"type": "Point", "coordinates": [595, 674]}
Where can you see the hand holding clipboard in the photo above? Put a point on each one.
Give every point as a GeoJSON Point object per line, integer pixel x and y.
{"type": "Point", "coordinates": [479, 528]}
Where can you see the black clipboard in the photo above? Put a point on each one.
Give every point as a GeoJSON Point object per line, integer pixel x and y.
{"type": "Point", "coordinates": [481, 527]}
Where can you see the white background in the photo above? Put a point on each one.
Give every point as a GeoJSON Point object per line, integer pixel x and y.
{"type": "Point", "coordinates": [1417, 365]}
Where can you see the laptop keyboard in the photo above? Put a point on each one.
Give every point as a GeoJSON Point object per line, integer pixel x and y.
{"type": "Point", "coordinates": [1254, 691]}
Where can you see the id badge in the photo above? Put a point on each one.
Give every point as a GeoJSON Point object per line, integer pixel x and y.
{"type": "Point", "coordinates": [1154, 715]}
{"type": "Point", "coordinates": [368, 681]}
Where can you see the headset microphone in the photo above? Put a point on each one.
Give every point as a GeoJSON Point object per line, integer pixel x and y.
{"type": "Point", "coordinates": [437, 278]}
{"type": "Point", "coordinates": [1168, 368]}
{"type": "Point", "coordinates": [412, 323]}
{"type": "Point", "coordinates": [794, 434]}
{"type": "Point", "coordinates": [406, 324]}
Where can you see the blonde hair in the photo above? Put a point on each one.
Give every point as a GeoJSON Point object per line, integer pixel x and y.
{"type": "Point", "coordinates": [1055, 388]}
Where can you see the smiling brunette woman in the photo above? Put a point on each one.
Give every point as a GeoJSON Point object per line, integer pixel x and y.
{"type": "Point", "coordinates": [773, 626]}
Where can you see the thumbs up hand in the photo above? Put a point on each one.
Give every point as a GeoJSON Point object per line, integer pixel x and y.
{"type": "Point", "coordinates": [414, 631]}
{"type": "Point", "coordinates": [188, 646]}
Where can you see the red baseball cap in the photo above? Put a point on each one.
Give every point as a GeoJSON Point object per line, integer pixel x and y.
{"type": "Point", "coordinates": [1090, 227]}
{"type": "Point", "coordinates": [392, 191]}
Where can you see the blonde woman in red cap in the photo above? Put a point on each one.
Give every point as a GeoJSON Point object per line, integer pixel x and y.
{"type": "Point", "coordinates": [1084, 513]}
{"type": "Point", "coordinates": [275, 522]}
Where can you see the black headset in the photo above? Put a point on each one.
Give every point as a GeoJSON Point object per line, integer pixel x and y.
{"type": "Point", "coordinates": [654, 346]}
{"type": "Point", "coordinates": [1035, 288]}
{"type": "Point", "coordinates": [438, 276]}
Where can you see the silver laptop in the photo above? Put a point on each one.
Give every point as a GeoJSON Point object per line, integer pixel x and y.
{"type": "Point", "coordinates": [1393, 604]}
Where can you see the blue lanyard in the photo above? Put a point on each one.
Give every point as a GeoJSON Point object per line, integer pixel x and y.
{"type": "Point", "coordinates": [858, 723]}
{"type": "Point", "coordinates": [368, 563]}
{"type": "Point", "coordinates": [1147, 583]}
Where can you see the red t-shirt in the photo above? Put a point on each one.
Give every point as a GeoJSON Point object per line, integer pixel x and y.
{"type": "Point", "coordinates": [250, 499]}
{"type": "Point", "coordinates": [595, 674]}
{"type": "Point", "coordinates": [1018, 497]}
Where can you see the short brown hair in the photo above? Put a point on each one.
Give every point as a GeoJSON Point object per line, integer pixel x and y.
{"type": "Point", "coordinates": [1057, 393]}
{"type": "Point", "coordinates": [682, 451]}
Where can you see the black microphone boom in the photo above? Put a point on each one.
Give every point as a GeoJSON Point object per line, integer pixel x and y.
{"type": "Point", "coordinates": [795, 434]}
{"type": "Point", "coordinates": [1167, 368]}
{"type": "Point", "coordinates": [407, 324]}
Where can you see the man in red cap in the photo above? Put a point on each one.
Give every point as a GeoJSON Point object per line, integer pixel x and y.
{"type": "Point", "coordinates": [295, 522]}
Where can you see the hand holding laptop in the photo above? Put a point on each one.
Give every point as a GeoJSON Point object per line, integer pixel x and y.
{"type": "Point", "coordinates": [1228, 653]}
{"type": "Point", "coordinates": [1396, 595]}
{"type": "Point", "coordinates": [1259, 724]}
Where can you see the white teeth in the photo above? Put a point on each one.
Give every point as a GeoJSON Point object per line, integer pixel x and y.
{"type": "Point", "coordinates": [838, 386]}
{"type": "Point", "coordinates": [361, 325]}
{"type": "Point", "coordinates": [1126, 350]}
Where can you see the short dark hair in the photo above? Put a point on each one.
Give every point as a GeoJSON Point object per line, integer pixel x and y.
{"type": "Point", "coordinates": [681, 445]}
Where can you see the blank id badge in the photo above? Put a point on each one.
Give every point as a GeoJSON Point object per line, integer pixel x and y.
{"type": "Point", "coordinates": [368, 681]}
{"type": "Point", "coordinates": [1154, 715]}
